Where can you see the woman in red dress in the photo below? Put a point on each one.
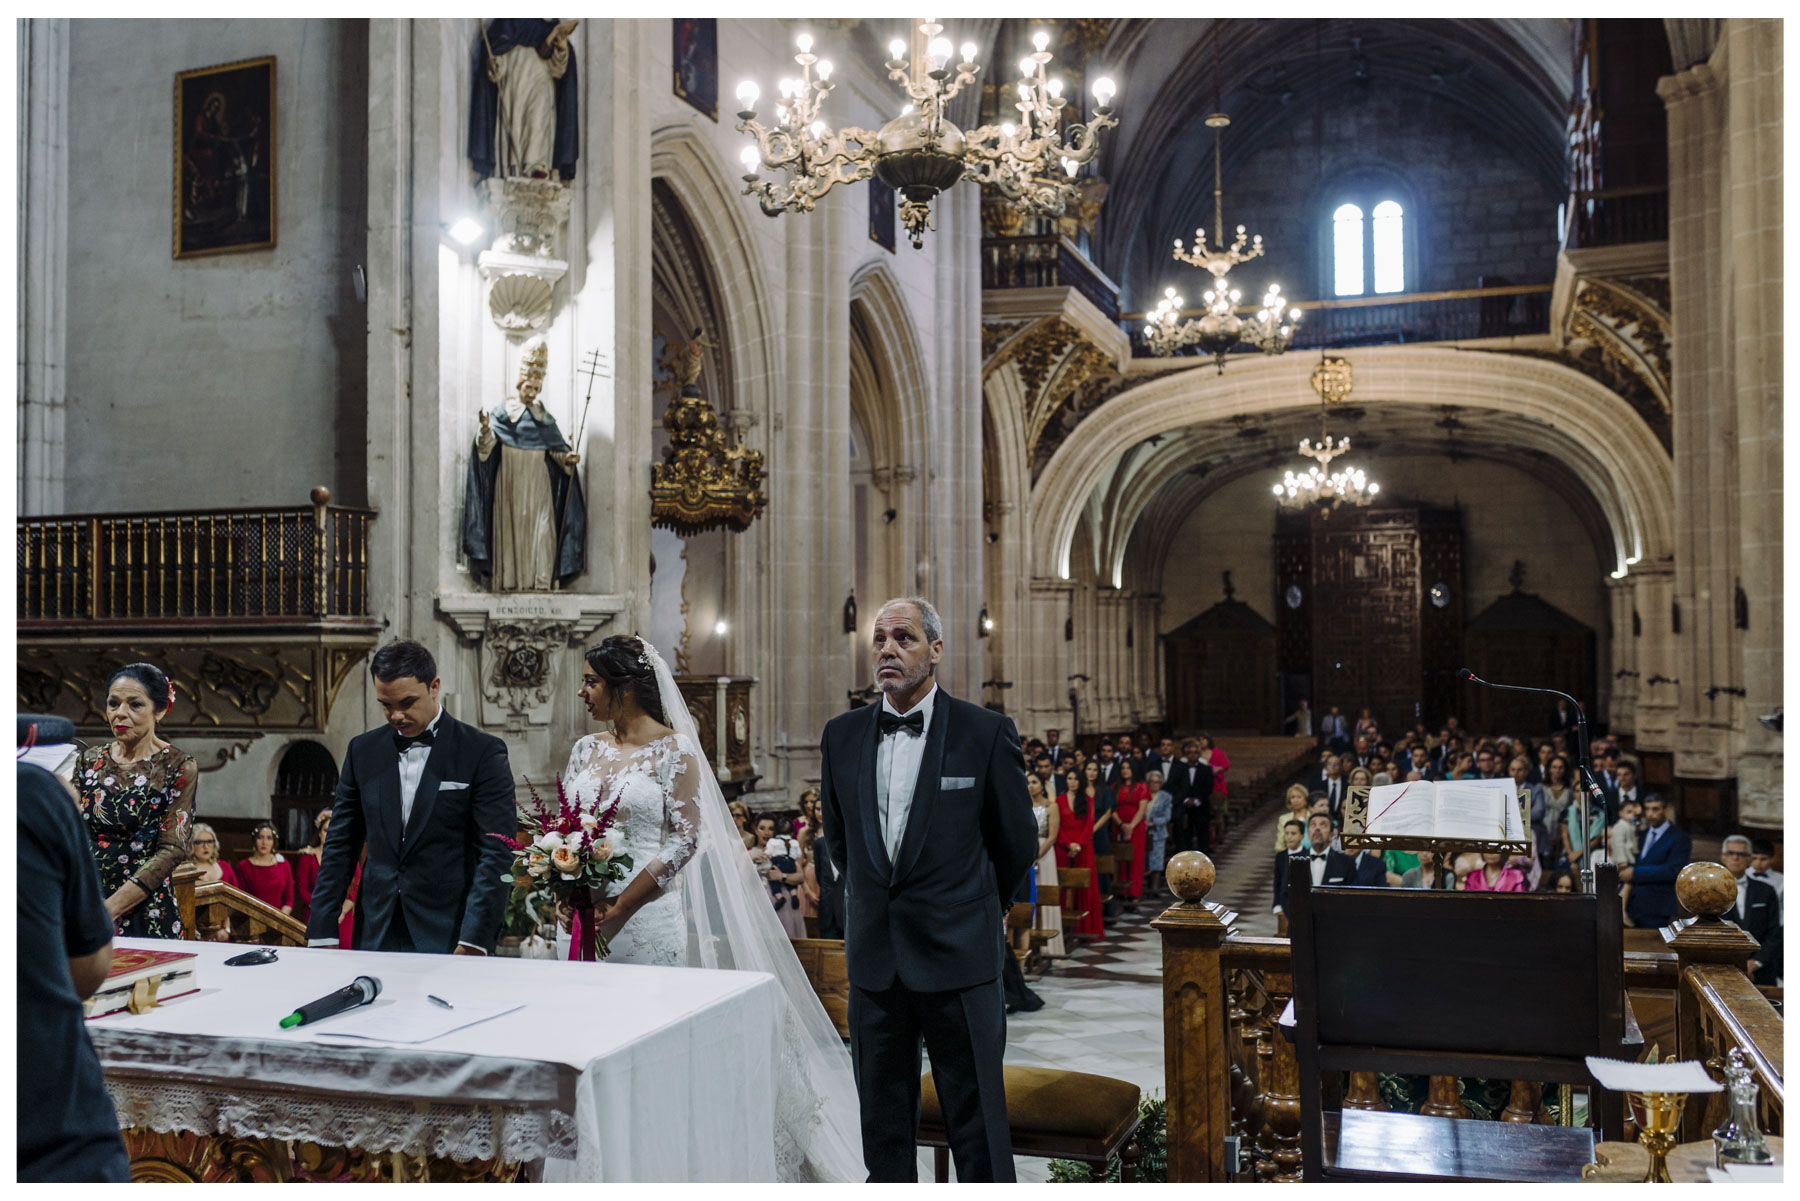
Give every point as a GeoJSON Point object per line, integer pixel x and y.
{"type": "Point", "coordinates": [1075, 846]}
{"type": "Point", "coordinates": [1220, 762]}
{"type": "Point", "coordinates": [306, 866]}
{"type": "Point", "coordinates": [1131, 806]}
{"type": "Point", "coordinates": [266, 875]}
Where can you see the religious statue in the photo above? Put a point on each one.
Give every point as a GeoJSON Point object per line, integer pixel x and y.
{"type": "Point", "coordinates": [523, 116]}
{"type": "Point", "coordinates": [524, 515]}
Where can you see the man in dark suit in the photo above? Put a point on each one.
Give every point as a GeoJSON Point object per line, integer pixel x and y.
{"type": "Point", "coordinates": [926, 813]}
{"type": "Point", "coordinates": [1293, 830]}
{"type": "Point", "coordinates": [1371, 870]}
{"type": "Point", "coordinates": [1190, 785]}
{"type": "Point", "coordinates": [1325, 865]}
{"type": "Point", "coordinates": [1334, 730]}
{"type": "Point", "coordinates": [424, 791]}
{"type": "Point", "coordinates": [1054, 748]}
{"type": "Point", "coordinates": [1108, 759]}
{"type": "Point", "coordinates": [1663, 851]}
{"type": "Point", "coordinates": [1334, 784]}
{"type": "Point", "coordinates": [1757, 910]}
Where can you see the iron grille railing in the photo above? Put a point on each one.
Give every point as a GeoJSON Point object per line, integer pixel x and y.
{"type": "Point", "coordinates": [1046, 261]}
{"type": "Point", "coordinates": [1512, 311]}
{"type": "Point", "coordinates": [1618, 216]}
{"type": "Point", "coordinates": [299, 563]}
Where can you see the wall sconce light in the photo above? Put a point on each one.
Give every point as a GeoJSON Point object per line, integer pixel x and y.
{"type": "Point", "coordinates": [465, 230]}
{"type": "Point", "coordinates": [992, 537]}
{"type": "Point", "coordinates": [889, 515]}
{"type": "Point", "coordinates": [720, 629]}
{"type": "Point", "coordinates": [984, 624]}
{"type": "Point", "coordinates": [850, 613]}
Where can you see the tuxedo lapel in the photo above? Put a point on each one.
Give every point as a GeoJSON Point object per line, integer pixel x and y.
{"type": "Point", "coordinates": [866, 801]}
{"type": "Point", "coordinates": [386, 807]}
{"type": "Point", "coordinates": [925, 792]}
{"type": "Point", "coordinates": [426, 798]}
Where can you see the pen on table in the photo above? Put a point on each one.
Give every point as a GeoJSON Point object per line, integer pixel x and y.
{"type": "Point", "coordinates": [439, 1001]}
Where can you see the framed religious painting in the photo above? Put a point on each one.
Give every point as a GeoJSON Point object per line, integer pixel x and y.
{"type": "Point", "coordinates": [225, 158]}
{"type": "Point", "coordinates": [697, 63]}
{"type": "Point", "coordinates": [881, 214]}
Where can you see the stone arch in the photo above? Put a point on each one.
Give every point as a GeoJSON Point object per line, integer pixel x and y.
{"type": "Point", "coordinates": [885, 337]}
{"type": "Point", "coordinates": [1588, 427]}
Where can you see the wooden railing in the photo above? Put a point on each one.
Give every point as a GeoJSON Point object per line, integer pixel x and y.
{"type": "Point", "coordinates": [217, 912]}
{"type": "Point", "coordinates": [1046, 261]}
{"type": "Point", "coordinates": [306, 563]}
{"type": "Point", "coordinates": [1230, 1073]}
{"type": "Point", "coordinates": [1466, 314]}
{"type": "Point", "coordinates": [1617, 216]}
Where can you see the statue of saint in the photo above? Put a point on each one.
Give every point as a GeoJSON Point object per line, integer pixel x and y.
{"type": "Point", "coordinates": [523, 116]}
{"type": "Point", "coordinates": [524, 515]}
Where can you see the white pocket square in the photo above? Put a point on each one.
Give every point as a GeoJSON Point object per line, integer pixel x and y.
{"type": "Point", "coordinates": [947, 783]}
{"type": "Point", "coordinates": [450, 785]}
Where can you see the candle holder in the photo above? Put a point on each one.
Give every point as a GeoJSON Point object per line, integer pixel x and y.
{"type": "Point", "coordinates": [1658, 1118]}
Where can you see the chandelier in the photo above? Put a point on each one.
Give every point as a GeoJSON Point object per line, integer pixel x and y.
{"type": "Point", "coordinates": [1318, 485]}
{"type": "Point", "coordinates": [1220, 329]}
{"type": "Point", "coordinates": [1032, 161]}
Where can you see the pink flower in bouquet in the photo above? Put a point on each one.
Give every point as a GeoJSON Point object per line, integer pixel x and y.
{"type": "Point", "coordinates": [602, 849]}
{"type": "Point", "coordinates": [565, 860]}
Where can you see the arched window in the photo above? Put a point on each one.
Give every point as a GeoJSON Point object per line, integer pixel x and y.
{"type": "Point", "coordinates": [1390, 247]}
{"type": "Point", "coordinates": [1347, 250]}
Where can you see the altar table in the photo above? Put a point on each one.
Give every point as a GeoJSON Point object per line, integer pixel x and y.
{"type": "Point", "coordinates": [610, 1072]}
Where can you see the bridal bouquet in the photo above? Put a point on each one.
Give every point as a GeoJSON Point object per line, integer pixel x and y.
{"type": "Point", "coordinates": [570, 858]}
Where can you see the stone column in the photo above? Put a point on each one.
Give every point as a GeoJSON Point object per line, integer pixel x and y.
{"type": "Point", "coordinates": [1043, 657]}
{"type": "Point", "coordinates": [1753, 215]}
{"type": "Point", "coordinates": [1621, 708]}
{"type": "Point", "coordinates": [43, 261]}
{"type": "Point", "coordinates": [952, 483]}
{"type": "Point", "coordinates": [1654, 596]}
{"type": "Point", "coordinates": [1707, 567]}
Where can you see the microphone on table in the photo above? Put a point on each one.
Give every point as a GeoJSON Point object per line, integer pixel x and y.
{"type": "Point", "coordinates": [359, 991]}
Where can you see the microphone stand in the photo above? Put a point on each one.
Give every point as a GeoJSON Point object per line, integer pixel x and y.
{"type": "Point", "coordinates": [1585, 784]}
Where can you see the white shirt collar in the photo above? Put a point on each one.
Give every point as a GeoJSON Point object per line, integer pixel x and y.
{"type": "Point", "coordinates": [436, 717]}
{"type": "Point", "coordinates": [924, 705]}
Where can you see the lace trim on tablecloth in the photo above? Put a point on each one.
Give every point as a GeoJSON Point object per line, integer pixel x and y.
{"type": "Point", "coordinates": [376, 1124]}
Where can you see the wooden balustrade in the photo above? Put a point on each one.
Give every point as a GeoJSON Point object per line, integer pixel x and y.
{"type": "Point", "coordinates": [1231, 1072]}
{"type": "Point", "coordinates": [217, 912]}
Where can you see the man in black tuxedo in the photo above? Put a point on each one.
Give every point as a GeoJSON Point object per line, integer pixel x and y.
{"type": "Point", "coordinates": [425, 792]}
{"type": "Point", "coordinates": [1757, 910]}
{"type": "Point", "coordinates": [927, 815]}
{"type": "Point", "coordinates": [1190, 785]}
{"type": "Point", "coordinates": [1054, 748]}
{"type": "Point", "coordinates": [1326, 865]}
{"type": "Point", "coordinates": [1334, 784]}
{"type": "Point", "coordinates": [1109, 763]}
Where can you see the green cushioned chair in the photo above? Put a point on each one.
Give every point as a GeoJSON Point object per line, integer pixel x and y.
{"type": "Point", "coordinates": [1053, 1114]}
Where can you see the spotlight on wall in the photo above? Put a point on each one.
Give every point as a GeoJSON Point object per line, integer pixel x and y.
{"type": "Point", "coordinates": [720, 628]}
{"type": "Point", "coordinates": [889, 515]}
{"type": "Point", "coordinates": [993, 537]}
{"type": "Point", "coordinates": [466, 230]}
{"type": "Point", "coordinates": [984, 625]}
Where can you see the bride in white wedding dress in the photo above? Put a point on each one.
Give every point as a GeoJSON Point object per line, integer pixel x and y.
{"type": "Point", "coordinates": [693, 898]}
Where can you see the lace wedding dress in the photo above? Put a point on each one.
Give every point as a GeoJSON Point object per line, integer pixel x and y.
{"type": "Point", "coordinates": [714, 912]}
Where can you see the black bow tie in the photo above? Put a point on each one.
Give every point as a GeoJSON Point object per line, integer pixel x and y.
{"type": "Point", "coordinates": [914, 722]}
{"type": "Point", "coordinates": [404, 744]}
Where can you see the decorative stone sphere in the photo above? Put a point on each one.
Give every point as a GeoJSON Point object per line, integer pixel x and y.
{"type": "Point", "coordinates": [1707, 889]}
{"type": "Point", "coordinates": [1191, 875]}
{"type": "Point", "coordinates": [321, 495]}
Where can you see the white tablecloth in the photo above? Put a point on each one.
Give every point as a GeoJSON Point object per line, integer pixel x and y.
{"type": "Point", "coordinates": [613, 1071]}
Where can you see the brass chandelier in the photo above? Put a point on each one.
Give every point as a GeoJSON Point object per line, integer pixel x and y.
{"type": "Point", "coordinates": [1318, 485]}
{"type": "Point", "coordinates": [1032, 161]}
{"type": "Point", "coordinates": [1220, 329]}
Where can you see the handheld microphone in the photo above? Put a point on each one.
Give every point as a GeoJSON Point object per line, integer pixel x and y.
{"type": "Point", "coordinates": [359, 991]}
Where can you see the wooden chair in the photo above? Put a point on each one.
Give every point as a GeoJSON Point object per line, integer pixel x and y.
{"type": "Point", "coordinates": [1053, 1114]}
{"type": "Point", "coordinates": [1071, 883]}
{"type": "Point", "coordinates": [1503, 985]}
{"type": "Point", "coordinates": [823, 961]}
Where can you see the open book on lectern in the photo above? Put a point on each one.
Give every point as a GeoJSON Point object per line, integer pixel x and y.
{"type": "Point", "coordinates": [1476, 814]}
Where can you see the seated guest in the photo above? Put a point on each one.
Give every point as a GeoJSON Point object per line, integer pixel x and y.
{"type": "Point", "coordinates": [137, 801]}
{"type": "Point", "coordinates": [1762, 865]}
{"type": "Point", "coordinates": [1663, 851]}
{"type": "Point", "coordinates": [203, 853]}
{"type": "Point", "coordinates": [266, 875]}
{"type": "Point", "coordinates": [1427, 874]}
{"type": "Point", "coordinates": [1371, 870]}
{"type": "Point", "coordinates": [1756, 911]}
{"type": "Point", "coordinates": [67, 1129]}
{"type": "Point", "coordinates": [1296, 808]}
{"type": "Point", "coordinates": [1565, 882]}
{"type": "Point", "coordinates": [1494, 875]}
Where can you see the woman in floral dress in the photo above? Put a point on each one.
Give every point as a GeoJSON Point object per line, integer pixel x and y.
{"type": "Point", "coordinates": [137, 801]}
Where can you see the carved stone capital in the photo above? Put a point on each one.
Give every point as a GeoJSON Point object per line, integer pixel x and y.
{"type": "Point", "coordinates": [528, 214]}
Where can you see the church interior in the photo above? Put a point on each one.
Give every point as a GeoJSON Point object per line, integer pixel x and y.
{"type": "Point", "coordinates": [1253, 399]}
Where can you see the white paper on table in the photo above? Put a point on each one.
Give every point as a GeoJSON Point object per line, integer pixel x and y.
{"type": "Point", "coordinates": [1746, 1173]}
{"type": "Point", "coordinates": [1670, 1076]}
{"type": "Point", "coordinates": [410, 1021]}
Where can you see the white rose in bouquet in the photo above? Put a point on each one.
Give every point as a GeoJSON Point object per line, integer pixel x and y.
{"type": "Point", "coordinates": [548, 841]}
{"type": "Point", "coordinates": [602, 850]}
{"type": "Point", "coordinates": [589, 821]}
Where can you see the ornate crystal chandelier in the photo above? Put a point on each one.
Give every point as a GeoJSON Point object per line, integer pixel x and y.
{"type": "Point", "coordinates": [1319, 485]}
{"type": "Point", "coordinates": [1032, 162]}
{"type": "Point", "coordinates": [1220, 328]}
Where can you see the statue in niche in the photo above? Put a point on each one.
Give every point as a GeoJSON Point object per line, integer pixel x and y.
{"type": "Point", "coordinates": [523, 117]}
{"type": "Point", "coordinates": [524, 515]}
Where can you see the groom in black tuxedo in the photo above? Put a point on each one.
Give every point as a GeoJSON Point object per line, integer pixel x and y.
{"type": "Point", "coordinates": [424, 791]}
{"type": "Point", "coordinates": [926, 814]}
